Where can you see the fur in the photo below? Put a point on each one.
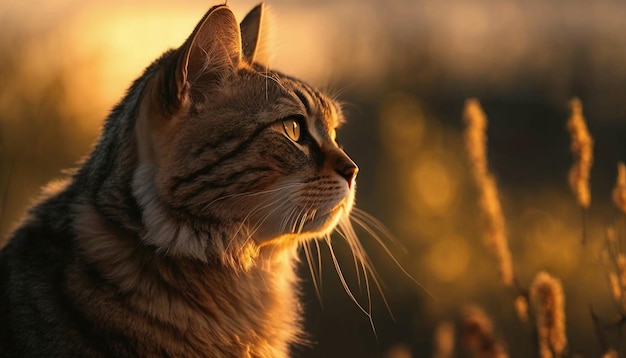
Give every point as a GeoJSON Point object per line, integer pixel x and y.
{"type": "Point", "coordinates": [179, 234]}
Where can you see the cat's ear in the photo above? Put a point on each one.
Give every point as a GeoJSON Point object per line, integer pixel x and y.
{"type": "Point", "coordinates": [215, 44]}
{"type": "Point", "coordinates": [212, 51]}
{"type": "Point", "coordinates": [254, 33]}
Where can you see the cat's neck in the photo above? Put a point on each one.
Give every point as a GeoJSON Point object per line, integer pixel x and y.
{"type": "Point", "coordinates": [203, 239]}
{"type": "Point", "coordinates": [210, 305]}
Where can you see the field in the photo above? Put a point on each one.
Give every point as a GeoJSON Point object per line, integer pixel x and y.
{"type": "Point", "coordinates": [528, 214]}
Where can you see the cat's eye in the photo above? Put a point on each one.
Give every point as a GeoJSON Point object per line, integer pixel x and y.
{"type": "Point", "coordinates": [292, 129]}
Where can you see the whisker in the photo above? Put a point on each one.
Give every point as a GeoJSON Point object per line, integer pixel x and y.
{"type": "Point", "coordinates": [342, 278]}
{"type": "Point", "coordinates": [319, 260]}
{"type": "Point", "coordinates": [262, 205]}
{"type": "Point", "coordinates": [380, 242]}
{"type": "Point", "coordinates": [287, 219]}
{"type": "Point", "coordinates": [355, 257]}
{"type": "Point", "coordinates": [266, 84]}
{"type": "Point", "coordinates": [307, 214]}
{"type": "Point", "coordinates": [366, 264]}
{"type": "Point", "coordinates": [345, 285]}
{"type": "Point", "coordinates": [376, 224]}
{"type": "Point", "coordinates": [253, 193]}
{"type": "Point", "coordinates": [301, 221]}
{"type": "Point", "coordinates": [347, 232]}
{"type": "Point", "coordinates": [362, 264]}
{"type": "Point", "coordinates": [270, 76]}
{"type": "Point", "coordinates": [307, 252]}
{"type": "Point", "coordinates": [259, 223]}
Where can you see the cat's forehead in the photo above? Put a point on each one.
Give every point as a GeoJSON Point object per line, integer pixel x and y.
{"type": "Point", "coordinates": [314, 103]}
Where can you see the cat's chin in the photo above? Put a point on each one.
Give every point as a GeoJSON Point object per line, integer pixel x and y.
{"type": "Point", "coordinates": [318, 227]}
{"type": "Point", "coordinates": [325, 224]}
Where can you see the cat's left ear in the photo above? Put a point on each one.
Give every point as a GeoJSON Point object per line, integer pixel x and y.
{"type": "Point", "coordinates": [254, 36]}
{"type": "Point", "coordinates": [213, 51]}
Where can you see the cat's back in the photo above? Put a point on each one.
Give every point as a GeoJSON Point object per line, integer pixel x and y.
{"type": "Point", "coordinates": [36, 317]}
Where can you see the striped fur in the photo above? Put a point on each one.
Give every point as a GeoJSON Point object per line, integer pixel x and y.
{"type": "Point", "coordinates": [178, 235]}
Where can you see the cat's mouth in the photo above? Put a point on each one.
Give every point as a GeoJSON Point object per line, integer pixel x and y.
{"type": "Point", "coordinates": [322, 223]}
{"type": "Point", "coordinates": [332, 217]}
{"type": "Point", "coordinates": [312, 225]}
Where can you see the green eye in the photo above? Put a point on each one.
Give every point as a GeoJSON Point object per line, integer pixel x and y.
{"type": "Point", "coordinates": [292, 129]}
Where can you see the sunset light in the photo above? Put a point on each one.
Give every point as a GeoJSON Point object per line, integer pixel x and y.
{"type": "Point", "coordinates": [490, 139]}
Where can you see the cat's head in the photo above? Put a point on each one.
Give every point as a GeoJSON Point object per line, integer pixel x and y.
{"type": "Point", "coordinates": [224, 142]}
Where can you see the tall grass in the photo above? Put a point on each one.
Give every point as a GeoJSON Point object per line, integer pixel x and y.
{"type": "Point", "coordinates": [495, 226]}
{"type": "Point", "coordinates": [582, 150]}
{"type": "Point", "coordinates": [543, 302]}
{"type": "Point", "coordinates": [548, 302]}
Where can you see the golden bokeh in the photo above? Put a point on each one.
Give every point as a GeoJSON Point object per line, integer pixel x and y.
{"type": "Point", "coordinates": [448, 258]}
{"type": "Point", "coordinates": [433, 185]}
{"type": "Point", "coordinates": [405, 70]}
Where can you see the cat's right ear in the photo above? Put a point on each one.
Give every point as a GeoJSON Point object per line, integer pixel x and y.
{"type": "Point", "coordinates": [254, 34]}
{"type": "Point", "coordinates": [212, 50]}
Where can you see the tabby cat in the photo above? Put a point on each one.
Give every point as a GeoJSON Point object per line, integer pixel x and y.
{"type": "Point", "coordinates": [178, 235]}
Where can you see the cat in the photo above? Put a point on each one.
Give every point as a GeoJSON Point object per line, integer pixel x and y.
{"type": "Point", "coordinates": [178, 235]}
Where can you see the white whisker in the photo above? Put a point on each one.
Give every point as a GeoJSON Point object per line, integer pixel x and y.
{"type": "Point", "coordinates": [366, 264]}
{"type": "Point", "coordinates": [253, 193]}
{"type": "Point", "coordinates": [319, 259]}
{"type": "Point", "coordinates": [375, 224]}
{"type": "Point", "coordinates": [296, 227]}
{"type": "Point", "coordinates": [261, 221]}
{"type": "Point", "coordinates": [260, 206]}
{"type": "Point", "coordinates": [380, 242]}
{"type": "Point", "coordinates": [308, 254]}
{"type": "Point", "coordinates": [346, 287]}
{"type": "Point", "coordinates": [284, 225]}
{"type": "Point", "coordinates": [355, 255]}
{"type": "Point", "coordinates": [254, 228]}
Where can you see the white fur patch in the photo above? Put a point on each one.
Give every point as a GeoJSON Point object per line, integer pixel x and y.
{"type": "Point", "coordinates": [164, 232]}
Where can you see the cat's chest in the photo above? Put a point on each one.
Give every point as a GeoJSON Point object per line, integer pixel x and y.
{"type": "Point", "coordinates": [186, 308]}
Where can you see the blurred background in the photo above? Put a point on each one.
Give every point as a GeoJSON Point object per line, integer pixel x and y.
{"type": "Point", "coordinates": [404, 70]}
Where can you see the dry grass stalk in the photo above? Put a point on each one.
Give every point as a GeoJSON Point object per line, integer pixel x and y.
{"type": "Point", "coordinates": [614, 261]}
{"type": "Point", "coordinates": [444, 340]}
{"type": "Point", "coordinates": [619, 192]}
{"type": "Point", "coordinates": [611, 354]}
{"type": "Point", "coordinates": [548, 300]}
{"type": "Point", "coordinates": [399, 351]}
{"type": "Point", "coordinates": [621, 269]}
{"type": "Point", "coordinates": [495, 235]}
{"type": "Point", "coordinates": [477, 335]}
{"type": "Point", "coordinates": [611, 235]}
{"type": "Point", "coordinates": [616, 287]}
{"type": "Point", "coordinates": [617, 279]}
{"type": "Point", "coordinates": [521, 308]}
{"type": "Point", "coordinates": [582, 149]}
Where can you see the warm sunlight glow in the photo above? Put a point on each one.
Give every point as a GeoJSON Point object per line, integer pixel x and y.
{"type": "Point", "coordinates": [433, 184]}
{"type": "Point", "coordinates": [402, 72]}
{"type": "Point", "coordinates": [117, 43]}
{"type": "Point", "coordinates": [448, 258]}
{"type": "Point", "coordinates": [402, 124]}
{"type": "Point", "coordinates": [549, 234]}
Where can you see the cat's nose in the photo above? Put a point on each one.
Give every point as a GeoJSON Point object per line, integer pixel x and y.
{"type": "Point", "coordinates": [348, 170]}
